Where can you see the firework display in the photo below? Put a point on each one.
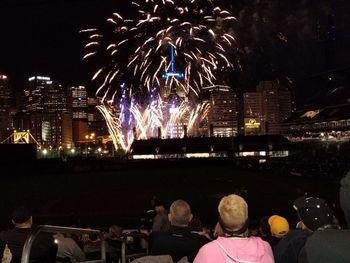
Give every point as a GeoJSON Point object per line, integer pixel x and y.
{"type": "Point", "coordinates": [155, 65]}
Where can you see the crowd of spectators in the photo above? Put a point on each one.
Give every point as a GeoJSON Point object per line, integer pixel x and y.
{"type": "Point", "coordinates": [325, 160]}
{"type": "Point", "coordinates": [176, 235]}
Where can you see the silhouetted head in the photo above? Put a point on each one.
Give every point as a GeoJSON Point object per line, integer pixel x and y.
{"type": "Point", "coordinates": [233, 216]}
{"type": "Point", "coordinates": [22, 217]}
{"type": "Point", "coordinates": [313, 212]}
{"type": "Point", "coordinates": [279, 226]}
{"type": "Point", "coordinates": [180, 213]}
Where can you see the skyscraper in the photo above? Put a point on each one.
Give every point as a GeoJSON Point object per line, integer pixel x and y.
{"type": "Point", "coordinates": [5, 105]}
{"type": "Point", "coordinates": [78, 106]}
{"type": "Point", "coordinates": [265, 109]}
{"type": "Point", "coordinates": [46, 112]}
{"type": "Point", "coordinates": [78, 102]}
{"type": "Point", "coordinates": [96, 121]}
{"type": "Point", "coordinates": [223, 114]}
{"type": "Point", "coordinates": [252, 104]}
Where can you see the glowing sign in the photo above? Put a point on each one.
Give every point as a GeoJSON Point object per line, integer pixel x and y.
{"type": "Point", "coordinates": [43, 78]}
{"type": "Point", "coordinates": [251, 123]}
{"type": "Point", "coordinates": [310, 114]}
{"type": "Point", "coordinates": [172, 72]}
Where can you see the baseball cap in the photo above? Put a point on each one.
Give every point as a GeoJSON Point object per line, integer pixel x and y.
{"type": "Point", "coordinates": [279, 225]}
{"type": "Point", "coordinates": [313, 212]}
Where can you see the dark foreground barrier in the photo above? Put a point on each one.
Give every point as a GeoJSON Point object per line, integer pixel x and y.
{"type": "Point", "coordinates": [17, 152]}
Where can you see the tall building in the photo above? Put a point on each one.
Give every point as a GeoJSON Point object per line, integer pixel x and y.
{"type": "Point", "coordinates": [78, 106]}
{"type": "Point", "coordinates": [285, 104]}
{"type": "Point", "coordinates": [96, 122]}
{"type": "Point", "coordinates": [46, 115]}
{"type": "Point", "coordinates": [267, 108]}
{"type": "Point", "coordinates": [223, 114]}
{"type": "Point", "coordinates": [5, 94]}
{"type": "Point", "coordinates": [252, 105]}
{"type": "Point", "coordinates": [5, 107]}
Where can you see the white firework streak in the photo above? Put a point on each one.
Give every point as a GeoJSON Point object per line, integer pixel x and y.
{"type": "Point", "coordinates": [197, 115]}
{"type": "Point", "coordinates": [136, 51]}
{"type": "Point", "coordinates": [142, 120]}
{"type": "Point", "coordinates": [182, 29]}
{"type": "Point", "coordinates": [114, 128]}
{"type": "Point", "coordinates": [149, 120]}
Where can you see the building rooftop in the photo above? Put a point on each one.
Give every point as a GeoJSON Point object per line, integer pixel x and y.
{"type": "Point", "coordinates": [330, 113]}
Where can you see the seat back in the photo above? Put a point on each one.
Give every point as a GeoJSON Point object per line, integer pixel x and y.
{"type": "Point", "coordinates": [59, 229]}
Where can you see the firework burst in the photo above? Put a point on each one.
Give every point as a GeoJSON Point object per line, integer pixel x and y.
{"type": "Point", "coordinates": [200, 35]}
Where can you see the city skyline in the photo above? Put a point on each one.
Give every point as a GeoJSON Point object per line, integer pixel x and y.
{"type": "Point", "coordinates": [42, 38]}
{"type": "Point", "coordinates": [59, 116]}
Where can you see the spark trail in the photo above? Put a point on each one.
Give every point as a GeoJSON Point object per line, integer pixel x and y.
{"type": "Point", "coordinates": [135, 52]}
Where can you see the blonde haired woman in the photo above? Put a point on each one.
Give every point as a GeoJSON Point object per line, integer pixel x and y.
{"type": "Point", "coordinates": [233, 243]}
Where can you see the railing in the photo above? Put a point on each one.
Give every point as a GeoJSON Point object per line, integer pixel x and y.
{"type": "Point", "coordinates": [59, 229]}
{"type": "Point", "coordinates": [126, 258]}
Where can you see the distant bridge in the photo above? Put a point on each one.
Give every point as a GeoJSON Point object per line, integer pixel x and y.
{"type": "Point", "coordinates": [21, 138]}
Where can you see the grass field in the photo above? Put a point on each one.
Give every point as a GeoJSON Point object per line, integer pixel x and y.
{"type": "Point", "coordinates": [97, 192]}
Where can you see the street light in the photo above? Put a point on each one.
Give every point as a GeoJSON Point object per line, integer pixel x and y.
{"type": "Point", "coordinates": [86, 145]}
{"type": "Point", "coordinates": [89, 138]}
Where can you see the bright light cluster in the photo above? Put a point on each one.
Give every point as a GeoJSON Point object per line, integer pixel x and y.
{"type": "Point", "coordinates": [135, 58]}
{"type": "Point", "coordinates": [158, 118]}
{"type": "Point", "coordinates": [39, 78]}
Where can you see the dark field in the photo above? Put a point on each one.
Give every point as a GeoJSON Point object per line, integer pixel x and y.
{"type": "Point", "coordinates": [100, 192]}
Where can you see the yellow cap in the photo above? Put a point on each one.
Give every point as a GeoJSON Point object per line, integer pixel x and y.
{"type": "Point", "coordinates": [279, 225]}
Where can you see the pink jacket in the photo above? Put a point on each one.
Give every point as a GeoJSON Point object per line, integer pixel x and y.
{"type": "Point", "coordinates": [235, 250]}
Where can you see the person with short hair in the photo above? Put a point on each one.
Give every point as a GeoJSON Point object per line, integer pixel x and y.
{"type": "Point", "coordinates": [179, 242]}
{"type": "Point", "coordinates": [180, 213]}
{"type": "Point", "coordinates": [43, 250]}
{"type": "Point", "coordinates": [233, 243]}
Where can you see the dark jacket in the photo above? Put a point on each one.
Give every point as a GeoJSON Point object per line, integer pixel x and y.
{"type": "Point", "coordinates": [288, 248]}
{"type": "Point", "coordinates": [178, 242]}
{"type": "Point", "coordinates": [330, 245]}
{"type": "Point", "coordinates": [344, 196]}
{"type": "Point", "coordinates": [43, 249]}
{"type": "Point", "coordinates": [272, 240]}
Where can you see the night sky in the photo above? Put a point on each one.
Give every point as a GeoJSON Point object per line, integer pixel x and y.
{"type": "Point", "coordinates": [42, 37]}
{"type": "Point", "coordinates": [292, 41]}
